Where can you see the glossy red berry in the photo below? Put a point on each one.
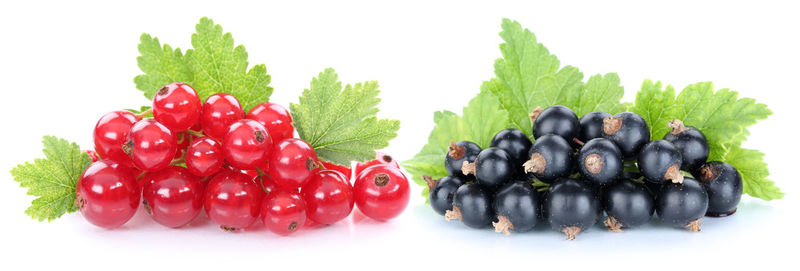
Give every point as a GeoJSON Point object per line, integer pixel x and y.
{"type": "Point", "coordinates": [110, 134]}
{"type": "Point", "coordinates": [380, 159]}
{"type": "Point", "coordinates": [220, 111]}
{"type": "Point", "coordinates": [381, 192]}
{"type": "Point", "coordinates": [292, 162]}
{"type": "Point", "coordinates": [341, 169]}
{"type": "Point", "coordinates": [177, 106]}
{"type": "Point", "coordinates": [247, 145]}
{"type": "Point", "coordinates": [275, 118]}
{"type": "Point", "coordinates": [92, 155]}
{"type": "Point", "coordinates": [107, 194]}
{"type": "Point", "coordinates": [151, 145]}
{"type": "Point", "coordinates": [283, 212]}
{"type": "Point", "coordinates": [328, 197]}
{"type": "Point", "coordinates": [204, 157]}
{"type": "Point", "coordinates": [232, 200]}
{"type": "Point", "coordinates": [173, 196]}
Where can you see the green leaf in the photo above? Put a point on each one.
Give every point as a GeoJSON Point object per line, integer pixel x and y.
{"type": "Point", "coordinates": [656, 105]}
{"type": "Point", "coordinates": [601, 93]}
{"type": "Point", "coordinates": [341, 124]}
{"type": "Point", "coordinates": [754, 172]}
{"type": "Point", "coordinates": [161, 66]}
{"type": "Point", "coordinates": [52, 180]}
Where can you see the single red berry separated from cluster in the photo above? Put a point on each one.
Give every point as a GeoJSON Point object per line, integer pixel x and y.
{"type": "Point", "coordinates": [380, 159]}
{"type": "Point", "coordinates": [292, 162]}
{"type": "Point", "coordinates": [232, 200]}
{"type": "Point", "coordinates": [381, 192]}
{"type": "Point", "coordinates": [173, 196]}
{"type": "Point", "coordinates": [204, 157]}
{"type": "Point", "coordinates": [107, 194]}
{"type": "Point", "coordinates": [177, 106]}
{"type": "Point", "coordinates": [347, 171]}
{"type": "Point", "coordinates": [219, 112]}
{"type": "Point", "coordinates": [328, 197]}
{"type": "Point", "coordinates": [111, 132]}
{"type": "Point", "coordinates": [151, 145]}
{"type": "Point", "coordinates": [283, 212]}
{"type": "Point", "coordinates": [275, 118]}
{"type": "Point", "coordinates": [247, 145]}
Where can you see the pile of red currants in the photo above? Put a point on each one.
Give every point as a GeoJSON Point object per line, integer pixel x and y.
{"type": "Point", "coordinates": [238, 167]}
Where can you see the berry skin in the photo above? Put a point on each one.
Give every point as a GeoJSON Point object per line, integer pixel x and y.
{"type": "Point", "coordinates": [600, 161]}
{"type": "Point", "coordinates": [328, 197]}
{"type": "Point", "coordinates": [107, 194]}
{"type": "Point", "coordinates": [173, 196]}
{"type": "Point", "coordinates": [92, 155]}
{"type": "Point", "coordinates": [380, 159]}
{"type": "Point", "coordinates": [517, 207]}
{"type": "Point", "coordinates": [558, 120]}
{"type": "Point", "coordinates": [691, 143]}
{"type": "Point", "coordinates": [628, 204]}
{"type": "Point", "coordinates": [111, 132]}
{"type": "Point", "coordinates": [232, 200]}
{"type": "Point", "coordinates": [151, 145]}
{"type": "Point", "coordinates": [346, 171]}
{"type": "Point", "coordinates": [283, 212]}
{"type": "Point", "coordinates": [492, 168]}
{"type": "Point", "coordinates": [275, 118]}
{"type": "Point", "coordinates": [515, 143]}
{"type": "Point", "coordinates": [660, 161]}
{"type": "Point", "coordinates": [460, 152]}
{"type": "Point", "coordinates": [220, 111]}
{"type": "Point", "coordinates": [723, 185]}
{"type": "Point", "coordinates": [571, 206]}
{"type": "Point", "coordinates": [204, 157]}
{"type": "Point", "coordinates": [292, 163]}
{"type": "Point", "coordinates": [472, 204]}
{"type": "Point", "coordinates": [177, 106]}
{"type": "Point", "coordinates": [592, 125]}
{"type": "Point", "coordinates": [551, 157]}
{"type": "Point", "coordinates": [442, 191]}
{"type": "Point", "coordinates": [247, 145]}
{"type": "Point", "coordinates": [381, 192]}
{"type": "Point", "coordinates": [682, 204]}
{"type": "Point", "coordinates": [629, 131]}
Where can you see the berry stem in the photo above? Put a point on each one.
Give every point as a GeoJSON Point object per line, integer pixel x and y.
{"type": "Point", "coordinates": [677, 127]}
{"type": "Point", "coordinates": [195, 133]}
{"type": "Point", "coordinates": [430, 181]}
{"type": "Point", "coordinates": [503, 225]}
{"type": "Point", "coordinates": [613, 224]}
{"type": "Point", "coordinates": [144, 113]}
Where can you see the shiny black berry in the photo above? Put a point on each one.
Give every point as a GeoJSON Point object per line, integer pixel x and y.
{"type": "Point", "coordinates": [627, 204]}
{"type": "Point", "coordinates": [472, 205]}
{"type": "Point", "coordinates": [515, 142]}
{"type": "Point", "coordinates": [442, 191]}
{"type": "Point", "coordinates": [691, 143]}
{"type": "Point", "coordinates": [492, 168]}
{"type": "Point", "coordinates": [600, 161]}
{"type": "Point", "coordinates": [629, 131]}
{"type": "Point", "coordinates": [551, 157]}
{"type": "Point", "coordinates": [517, 207]}
{"type": "Point", "coordinates": [592, 125]}
{"type": "Point", "coordinates": [682, 204]}
{"type": "Point", "coordinates": [557, 119]}
{"type": "Point", "coordinates": [460, 152]}
{"type": "Point", "coordinates": [660, 161]}
{"type": "Point", "coordinates": [571, 206]}
{"type": "Point", "coordinates": [723, 185]}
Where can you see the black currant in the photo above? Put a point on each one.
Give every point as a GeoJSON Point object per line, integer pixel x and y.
{"type": "Point", "coordinates": [515, 142]}
{"type": "Point", "coordinates": [551, 157]}
{"type": "Point", "coordinates": [557, 119]}
{"type": "Point", "coordinates": [592, 125]}
{"type": "Point", "coordinates": [660, 161]}
{"type": "Point", "coordinates": [682, 204]}
{"type": "Point", "coordinates": [517, 207]}
{"type": "Point", "coordinates": [724, 186]}
{"type": "Point", "coordinates": [471, 205]}
{"type": "Point", "coordinates": [442, 191]}
{"type": "Point", "coordinates": [691, 143]}
{"type": "Point", "coordinates": [600, 161]}
{"type": "Point", "coordinates": [460, 152]}
{"type": "Point", "coordinates": [492, 168]}
{"type": "Point", "coordinates": [627, 204]}
{"type": "Point", "coordinates": [629, 131]}
{"type": "Point", "coordinates": [571, 206]}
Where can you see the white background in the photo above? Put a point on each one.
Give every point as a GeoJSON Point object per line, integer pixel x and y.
{"type": "Point", "coordinates": [65, 64]}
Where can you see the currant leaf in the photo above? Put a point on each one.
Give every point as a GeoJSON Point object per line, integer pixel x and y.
{"type": "Point", "coordinates": [754, 172]}
{"type": "Point", "coordinates": [600, 93]}
{"type": "Point", "coordinates": [161, 66]}
{"type": "Point", "coordinates": [656, 104]}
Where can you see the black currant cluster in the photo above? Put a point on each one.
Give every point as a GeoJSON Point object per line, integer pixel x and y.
{"type": "Point", "coordinates": [593, 165]}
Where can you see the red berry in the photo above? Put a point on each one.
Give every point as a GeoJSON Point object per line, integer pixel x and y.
{"type": "Point", "coordinates": [292, 163]}
{"type": "Point", "coordinates": [283, 212]}
{"type": "Point", "coordinates": [328, 197]}
{"type": "Point", "coordinates": [151, 145]}
{"type": "Point", "coordinates": [177, 106]}
{"type": "Point", "coordinates": [275, 118]}
{"type": "Point", "coordinates": [381, 192]}
{"type": "Point", "coordinates": [92, 155]}
{"type": "Point", "coordinates": [204, 157]}
{"type": "Point", "coordinates": [232, 200]}
{"type": "Point", "coordinates": [107, 194]}
{"type": "Point", "coordinates": [341, 169]}
{"type": "Point", "coordinates": [220, 111]}
{"type": "Point", "coordinates": [172, 196]}
{"type": "Point", "coordinates": [110, 134]}
{"type": "Point", "coordinates": [381, 159]}
{"type": "Point", "coordinates": [247, 145]}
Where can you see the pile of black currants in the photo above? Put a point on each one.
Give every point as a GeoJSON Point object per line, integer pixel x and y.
{"type": "Point", "coordinates": [577, 169]}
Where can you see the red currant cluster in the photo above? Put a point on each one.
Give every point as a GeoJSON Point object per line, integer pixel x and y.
{"type": "Point", "coordinates": [238, 167]}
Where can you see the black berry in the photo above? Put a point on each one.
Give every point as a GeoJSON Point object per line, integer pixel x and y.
{"type": "Point", "coordinates": [558, 120]}
{"type": "Point", "coordinates": [682, 204]}
{"type": "Point", "coordinates": [551, 157]}
{"type": "Point", "coordinates": [629, 131]}
{"type": "Point", "coordinates": [723, 185]}
{"type": "Point", "coordinates": [472, 205]}
{"type": "Point", "coordinates": [600, 161]}
{"type": "Point", "coordinates": [517, 207]}
{"type": "Point", "coordinates": [592, 125]}
{"type": "Point", "coordinates": [627, 204]}
{"type": "Point", "coordinates": [660, 161]}
{"type": "Point", "coordinates": [515, 142]}
{"type": "Point", "coordinates": [460, 152]}
{"type": "Point", "coordinates": [691, 143]}
{"type": "Point", "coordinates": [442, 191]}
{"type": "Point", "coordinates": [571, 206]}
{"type": "Point", "coordinates": [492, 168]}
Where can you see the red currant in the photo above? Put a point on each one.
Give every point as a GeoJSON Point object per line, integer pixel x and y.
{"type": "Point", "coordinates": [172, 196]}
{"type": "Point", "coordinates": [381, 159]}
{"type": "Point", "coordinates": [275, 118]}
{"type": "Point", "coordinates": [341, 169]}
{"type": "Point", "coordinates": [283, 212]}
{"type": "Point", "coordinates": [151, 145]}
{"type": "Point", "coordinates": [247, 145]}
{"type": "Point", "coordinates": [232, 200]}
{"type": "Point", "coordinates": [220, 111]}
{"type": "Point", "coordinates": [292, 163]}
{"type": "Point", "coordinates": [328, 197]}
{"type": "Point", "coordinates": [107, 194]}
{"type": "Point", "coordinates": [177, 106]}
{"type": "Point", "coordinates": [204, 157]}
{"type": "Point", "coordinates": [381, 192]}
{"type": "Point", "coordinates": [110, 134]}
{"type": "Point", "coordinates": [92, 155]}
